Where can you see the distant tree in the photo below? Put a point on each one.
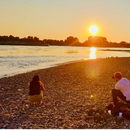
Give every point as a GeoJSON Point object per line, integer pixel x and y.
{"type": "Point", "coordinates": [72, 41]}
{"type": "Point", "coordinates": [17, 38]}
{"type": "Point", "coordinates": [96, 41]}
{"type": "Point", "coordinates": [123, 44]}
{"type": "Point", "coordinates": [11, 38]}
{"type": "Point", "coordinates": [61, 42]}
{"type": "Point", "coordinates": [85, 43]}
{"type": "Point", "coordinates": [5, 39]}
{"type": "Point", "coordinates": [35, 39]}
{"type": "Point", "coordinates": [29, 39]}
{"type": "Point", "coordinates": [23, 40]}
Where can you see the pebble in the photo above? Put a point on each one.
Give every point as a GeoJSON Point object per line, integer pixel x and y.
{"type": "Point", "coordinates": [73, 99]}
{"type": "Point", "coordinates": [20, 90]}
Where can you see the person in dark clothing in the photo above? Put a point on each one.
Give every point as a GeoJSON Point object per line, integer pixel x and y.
{"type": "Point", "coordinates": [36, 89]}
{"type": "Point", "coordinates": [122, 89]}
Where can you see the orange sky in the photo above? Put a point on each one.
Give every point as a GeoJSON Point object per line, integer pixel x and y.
{"type": "Point", "coordinates": [58, 19]}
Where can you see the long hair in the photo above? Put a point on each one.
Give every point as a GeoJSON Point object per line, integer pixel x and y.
{"type": "Point", "coordinates": [35, 85]}
{"type": "Point", "coordinates": [36, 78]}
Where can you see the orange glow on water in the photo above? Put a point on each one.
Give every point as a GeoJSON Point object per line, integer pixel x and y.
{"type": "Point", "coordinates": [92, 53]}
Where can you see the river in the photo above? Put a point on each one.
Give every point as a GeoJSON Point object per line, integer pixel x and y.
{"type": "Point", "coordinates": [20, 59]}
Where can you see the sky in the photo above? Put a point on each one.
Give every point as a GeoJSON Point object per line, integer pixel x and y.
{"type": "Point", "coordinates": [59, 19]}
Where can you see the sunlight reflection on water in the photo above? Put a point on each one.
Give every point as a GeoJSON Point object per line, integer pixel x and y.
{"type": "Point", "coordinates": [92, 53]}
{"type": "Point", "coordinates": [19, 59]}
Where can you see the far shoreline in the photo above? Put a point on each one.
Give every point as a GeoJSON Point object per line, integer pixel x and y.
{"type": "Point", "coordinates": [12, 44]}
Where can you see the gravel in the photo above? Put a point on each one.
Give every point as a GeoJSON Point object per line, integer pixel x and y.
{"type": "Point", "coordinates": [75, 97]}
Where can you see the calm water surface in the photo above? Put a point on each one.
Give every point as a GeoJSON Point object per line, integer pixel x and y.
{"type": "Point", "coordinates": [20, 59]}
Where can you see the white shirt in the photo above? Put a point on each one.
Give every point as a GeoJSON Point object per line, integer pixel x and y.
{"type": "Point", "coordinates": [124, 86]}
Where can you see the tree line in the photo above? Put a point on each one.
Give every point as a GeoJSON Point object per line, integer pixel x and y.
{"type": "Point", "coordinates": [96, 41]}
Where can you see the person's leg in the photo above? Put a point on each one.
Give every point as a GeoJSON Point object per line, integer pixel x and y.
{"type": "Point", "coordinates": [128, 104]}
{"type": "Point", "coordinates": [117, 93]}
{"type": "Point", "coordinates": [41, 93]}
{"type": "Point", "coordinates": [39, 99]}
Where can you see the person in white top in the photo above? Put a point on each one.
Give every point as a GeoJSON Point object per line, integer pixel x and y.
{"type": "Point", "coordinates": [122, 89]}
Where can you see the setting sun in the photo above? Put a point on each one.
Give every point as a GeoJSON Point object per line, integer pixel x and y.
{"type": "Point", "coordinates": [93, 29]}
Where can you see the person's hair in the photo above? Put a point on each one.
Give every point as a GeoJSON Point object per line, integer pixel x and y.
{"type": "Point", "coordinates": [36, 78]}
{"type": "Point", "coordinates": [118, 75]}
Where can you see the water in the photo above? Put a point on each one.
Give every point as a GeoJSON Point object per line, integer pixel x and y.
{"type": "Point", "coordinates": [20, 59]}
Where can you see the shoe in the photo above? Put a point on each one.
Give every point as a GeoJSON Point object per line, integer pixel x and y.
{"type": "Point", "coordinates": [110, 106]}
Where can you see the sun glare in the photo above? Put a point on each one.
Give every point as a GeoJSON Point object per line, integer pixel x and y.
{"type": "Point", "coordinates": [93, 29]}
{"type": "Point", "coordinates": [93, 49]}
{"type": "Point", "coordinates": [92, 53]}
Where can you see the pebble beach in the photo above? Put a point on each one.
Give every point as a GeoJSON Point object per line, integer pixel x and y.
{"type": "Point", "coordinates": [75, 98]}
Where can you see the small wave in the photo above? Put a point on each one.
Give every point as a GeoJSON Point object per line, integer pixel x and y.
{"type": "Point", "coordinates": [72, 51]}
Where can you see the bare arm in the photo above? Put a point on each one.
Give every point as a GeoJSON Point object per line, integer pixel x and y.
{"type": "Point", "coordinates": [42, 86]}
{"type": "Point", "coordinates": [28, 85]}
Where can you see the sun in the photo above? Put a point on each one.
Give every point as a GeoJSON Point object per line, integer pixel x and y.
{"type": "Point", "coordinates": [93, 29]}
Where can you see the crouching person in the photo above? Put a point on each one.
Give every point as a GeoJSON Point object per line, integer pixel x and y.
{"type": "Point", "coordinates": [122, 89]}
{"type": "Point", "coordinates": [36, 89]}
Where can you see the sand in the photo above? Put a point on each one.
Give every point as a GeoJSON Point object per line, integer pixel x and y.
{"type": "Point", "coordinates": [72, 90]}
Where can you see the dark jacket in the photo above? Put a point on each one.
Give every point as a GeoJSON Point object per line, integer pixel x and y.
{"type": "Point", "coordinates": [34, 88]}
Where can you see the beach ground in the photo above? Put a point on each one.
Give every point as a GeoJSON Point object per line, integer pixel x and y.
{"type": "Point", "coordinates": [72, 91]}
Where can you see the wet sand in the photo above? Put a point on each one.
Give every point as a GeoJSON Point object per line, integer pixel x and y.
{"type": "Point", "coordinates": [72, 91]}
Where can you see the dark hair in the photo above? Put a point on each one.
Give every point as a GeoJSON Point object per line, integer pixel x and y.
{"type": "Point", "coordinates": [118, 75]}
{"type": "Point", "coordinates": [36, 78]}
